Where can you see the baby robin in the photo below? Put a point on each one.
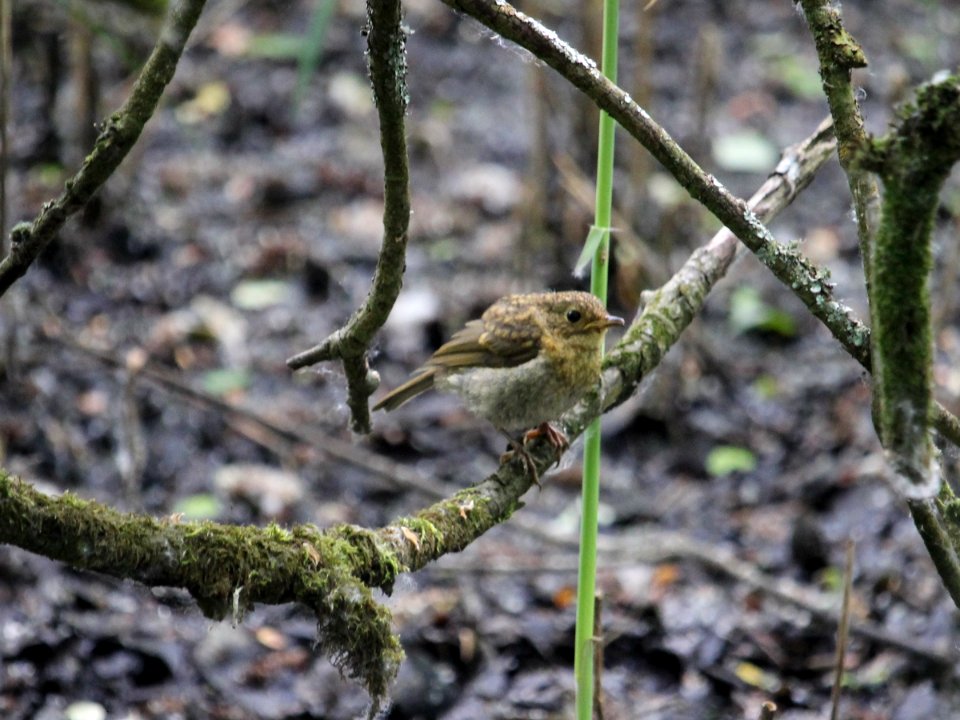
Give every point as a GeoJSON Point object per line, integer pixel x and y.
{"type": "Point", "coordinates": [526, 361]}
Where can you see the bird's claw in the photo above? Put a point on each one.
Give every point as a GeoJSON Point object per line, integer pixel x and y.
{"type": "Point", "coordinates": [518, 449]}
{"type": "Point", "coordinates": [555, 437]}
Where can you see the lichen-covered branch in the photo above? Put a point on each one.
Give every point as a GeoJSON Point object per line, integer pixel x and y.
{"type": "Point", "coordinates": [668, 310]}
{"type": "Point", "coordinates": [387, 59]}
{"type": "Point", "coordinates": [913, 161]}
{"type": "Point", "coordinates": [839, 54]}
{"type": "Point", "coordinates": [807, 281]}
{"type": "Point", "coordinates": [225, 568]}
{"type": "Point", "coordinates": [120, 131]}
{"type": "Point", "coordinates": [228, 569]}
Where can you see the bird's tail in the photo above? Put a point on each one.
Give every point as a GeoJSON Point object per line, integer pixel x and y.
{"type": "Point", "coordinates": [411, 388]}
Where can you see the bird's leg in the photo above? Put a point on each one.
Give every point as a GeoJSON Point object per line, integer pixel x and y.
{"type": "Point", "coordinates": [555, 437]}
{"type": "Point", "coordinates": [519, 448]}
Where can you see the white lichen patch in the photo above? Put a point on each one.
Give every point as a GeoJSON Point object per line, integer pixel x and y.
{"type": "Point", "coordinates": [551, 37]}
{"type": "Point", "coordinates": [916, 478]}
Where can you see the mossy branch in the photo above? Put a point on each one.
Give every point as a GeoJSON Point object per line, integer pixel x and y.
{"type": "Point", "coordinates": [387, 63]}
{"type": "Point", "coordinates": [913, 161]}
{"type": "Point", "coordinates": [839, 54]}
{"type": "Point", "coordinates": [120, 131]}
{"type": "Point", "coordinates": [807, 281]}
{"type": "Point", "coordinates": [227, 569]}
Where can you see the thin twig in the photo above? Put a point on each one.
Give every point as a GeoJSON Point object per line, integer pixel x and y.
{"type": "Point", "coordinates": [119, 133]}
{"type": "Point", "coordinates": [387, 59]}
{"type": "Point", "coordinates": [936, 535]}
{"type": "Point", "coordinates": [820, 606]}
{"type": "Point", "coordinates": [652, 546]}
{"type": "Point", "coordinates": [843, 632]}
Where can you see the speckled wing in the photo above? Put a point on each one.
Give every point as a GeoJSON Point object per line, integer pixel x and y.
{"type": "Point", "coordinates": [506, 336]}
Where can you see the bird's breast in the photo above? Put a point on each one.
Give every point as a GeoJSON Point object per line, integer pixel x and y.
{"type": "Point", "coordinates": [521, 397]}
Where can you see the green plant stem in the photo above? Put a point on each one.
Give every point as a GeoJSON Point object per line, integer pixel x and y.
{"type": "Point", "coordinates": [587, 576]}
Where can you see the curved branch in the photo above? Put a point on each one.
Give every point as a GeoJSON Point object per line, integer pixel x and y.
{"type": "Point", "coordinates": [228, 569]}
{"type": "Point", "coordinates": [807, 281]}
{"type": "Point", "coordinates": [913, 161]}
{"type": "Point", "coordinates": [120, 132]}
{"type": "Point", "coordinates": [385, 42]}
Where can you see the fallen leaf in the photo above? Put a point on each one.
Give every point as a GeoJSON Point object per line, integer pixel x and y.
{"type": "Point", "coordinates": [411, 536]}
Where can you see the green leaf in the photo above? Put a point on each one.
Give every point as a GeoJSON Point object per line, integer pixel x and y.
{"type": "Point", "coordinates": [225, 381]}
{"type": "Point", "coordinates": [277, 46]}
{"type": "Point", "coordinates": [259, 294]}
{"type": "Point", "coordinates": [202, 506]}
{"type": "Point", "coordinates": [798, 75]}
{"type": "Point", "coordinates": [749, 312]}
{"type": "Point", "coordinates": [594, 238]}
{"type": "Point", "coordinates": [831, 578]}
{"type": "Point", "coordinates": [312, 47]}
{"type": "Point", "coordinates": [766, 386]}
{"type": "Point", "coordinates": [725, 459]}
{"type": "Point", "coordinates": [745, 151]}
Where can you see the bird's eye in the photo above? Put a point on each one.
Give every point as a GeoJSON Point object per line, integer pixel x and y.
{"type": "Point", "coordinates": [573, 316]}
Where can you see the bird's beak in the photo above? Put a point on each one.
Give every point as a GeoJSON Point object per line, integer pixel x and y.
{"type": "Point", "coordinates": [610, 321]}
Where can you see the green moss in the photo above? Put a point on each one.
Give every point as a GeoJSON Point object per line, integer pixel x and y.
{"type": "Point", "coordinates": [913, 161]}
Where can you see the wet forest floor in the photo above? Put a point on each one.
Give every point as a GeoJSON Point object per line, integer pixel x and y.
{"type": "Point", "coordinates": [244, 228]}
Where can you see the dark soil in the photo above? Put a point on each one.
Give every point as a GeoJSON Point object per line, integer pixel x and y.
{"type": "Point", "coordinates": [244, 228]}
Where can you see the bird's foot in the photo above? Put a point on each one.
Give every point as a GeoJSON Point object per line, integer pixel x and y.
{"type": "Point", "coordinates": [518, 449]}
{"type": "Point", "coordinates": [555, 437]}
